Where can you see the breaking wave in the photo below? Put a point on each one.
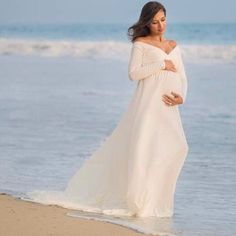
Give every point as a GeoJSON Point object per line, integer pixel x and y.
{"type": "Point", "coordinates": [117, 50]}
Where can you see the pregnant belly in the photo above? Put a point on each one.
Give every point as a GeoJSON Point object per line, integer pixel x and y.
{"type": "Point", "coordinates": [171, 82]}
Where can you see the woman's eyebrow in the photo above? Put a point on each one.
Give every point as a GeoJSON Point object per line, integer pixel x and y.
{"type": "Point", "coordinates": [160, 19]}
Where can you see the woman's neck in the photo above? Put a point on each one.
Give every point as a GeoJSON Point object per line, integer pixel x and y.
{"type": "Point", "coordinates": [157, 37]}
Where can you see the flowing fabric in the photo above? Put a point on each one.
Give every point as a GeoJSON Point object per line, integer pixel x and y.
{"type": "Point", "coordinates": [135, 170]}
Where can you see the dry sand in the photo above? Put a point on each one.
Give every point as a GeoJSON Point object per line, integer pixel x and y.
{"type": "Point", "coordinates": [23, 218]}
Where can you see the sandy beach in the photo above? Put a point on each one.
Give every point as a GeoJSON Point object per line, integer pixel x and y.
{"type": "Point", "coordinates": [20, 217]}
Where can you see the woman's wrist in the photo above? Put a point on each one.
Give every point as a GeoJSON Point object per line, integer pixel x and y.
{"type": "Point", "coordinates": [163, 65]}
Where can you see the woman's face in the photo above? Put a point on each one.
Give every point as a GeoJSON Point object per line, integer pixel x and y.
{"type": "Point", "coordinates": [158, 23]}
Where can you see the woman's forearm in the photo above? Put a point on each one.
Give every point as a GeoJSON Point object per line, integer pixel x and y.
{"type": "Point", "coordinates": [137, 70]}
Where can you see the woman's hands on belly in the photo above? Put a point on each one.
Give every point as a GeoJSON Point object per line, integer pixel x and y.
{"type": "Point", "coordinates": [172, 88]}
{"type": "Point", "coordinates": [169, 100]}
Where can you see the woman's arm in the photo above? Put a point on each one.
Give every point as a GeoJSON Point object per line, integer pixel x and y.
{"type": "Point", "coordinates": [137, 70]}
{"type": "Point", "coordinates": [181, 70]}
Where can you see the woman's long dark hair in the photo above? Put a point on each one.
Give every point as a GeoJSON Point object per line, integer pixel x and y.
{"type": "Point", "coordinates": [141, 28]}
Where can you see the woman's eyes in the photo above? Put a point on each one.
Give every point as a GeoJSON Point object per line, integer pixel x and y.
{"type": "Point", "coordinates": [162, 20]}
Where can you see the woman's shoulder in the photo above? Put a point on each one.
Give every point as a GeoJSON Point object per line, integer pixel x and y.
{"type": "Point", "coordinates": [141, 39]}
{"type": "Point", "coordinates": [139, 43]}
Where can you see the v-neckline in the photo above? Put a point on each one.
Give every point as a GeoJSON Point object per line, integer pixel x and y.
{"type": "Point", "coordinates": [158, 47]}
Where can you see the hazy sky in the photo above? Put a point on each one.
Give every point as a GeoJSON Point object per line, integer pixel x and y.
{"type": "Point", "coordinates": [119, 11]}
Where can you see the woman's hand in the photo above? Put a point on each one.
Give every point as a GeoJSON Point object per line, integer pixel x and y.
{"type": "Point", "coordinates": [172, 100]}
{"type": "Point", "coordinates": [169, 65]}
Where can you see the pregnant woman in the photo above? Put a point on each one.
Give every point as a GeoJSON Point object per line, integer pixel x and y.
{"type": "Point", "coordinates": [134, 172]}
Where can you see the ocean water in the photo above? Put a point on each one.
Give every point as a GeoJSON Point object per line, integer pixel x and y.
{"type": "Point", "coordinates": [64, 88]}
{"type": "Point", "coordinates": [211, 42]}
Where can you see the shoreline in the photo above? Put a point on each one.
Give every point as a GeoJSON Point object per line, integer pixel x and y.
{"type": "Point", "coordinates": [19, 217]}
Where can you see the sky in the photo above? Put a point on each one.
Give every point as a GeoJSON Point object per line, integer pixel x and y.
{"type": "Point", "coordinates": [112, 11]}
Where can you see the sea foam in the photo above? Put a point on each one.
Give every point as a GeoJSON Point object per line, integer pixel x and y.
{"type": "Point", "coordinates": [117, 50]}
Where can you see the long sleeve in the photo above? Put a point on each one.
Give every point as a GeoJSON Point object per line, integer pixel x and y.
{"type": "Point", "coordinates": [181, 70]}
{"type": "Point", "coordinates": [137, 70]}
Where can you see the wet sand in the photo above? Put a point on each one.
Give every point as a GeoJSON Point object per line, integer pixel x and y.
{"type": "Point", "coordinates": [20, 217]}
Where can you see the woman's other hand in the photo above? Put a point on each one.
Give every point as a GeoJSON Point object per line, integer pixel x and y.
{"type": "Point", "coordinates": [169, 65]}
{"type": "Point", "coordinates": [176, 99]}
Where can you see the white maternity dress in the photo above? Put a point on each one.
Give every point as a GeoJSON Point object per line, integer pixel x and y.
{"type": "Point", "coordinates": [135, 170]}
